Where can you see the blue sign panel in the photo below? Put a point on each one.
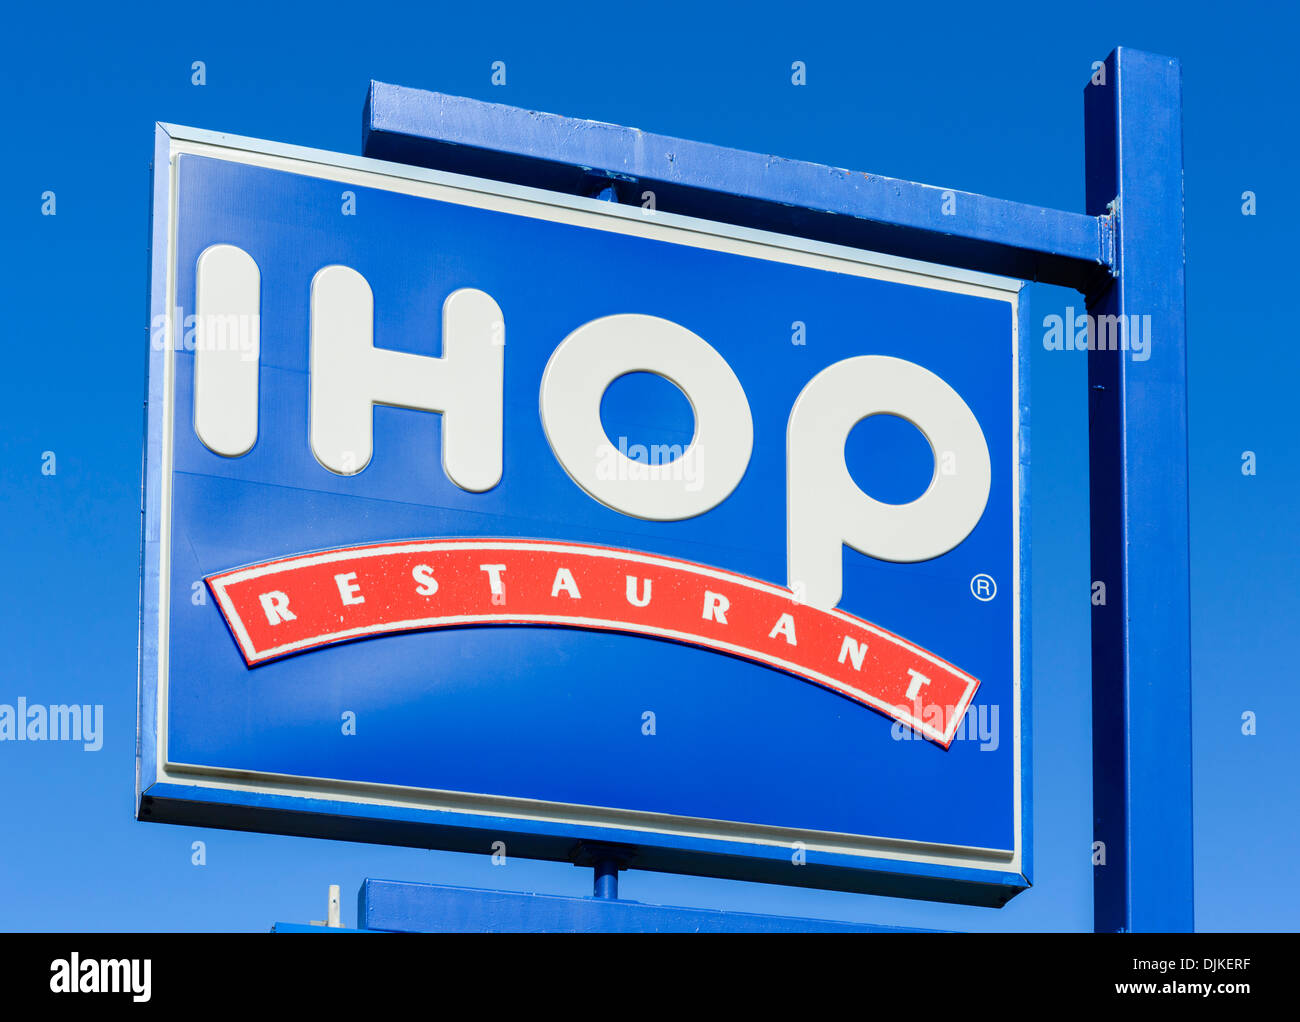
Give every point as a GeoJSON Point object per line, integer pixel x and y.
{"type": "Point", "coordinates": [478, 513]}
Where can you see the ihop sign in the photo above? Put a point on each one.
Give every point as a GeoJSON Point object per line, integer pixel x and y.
{"type": "Point", "coordinates": [478, 514]}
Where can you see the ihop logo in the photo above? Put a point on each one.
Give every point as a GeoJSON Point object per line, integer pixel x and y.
{"type": "Point", "coordinates": [305, 601]}
{"type": "Point", "coordinates": [826, 509]}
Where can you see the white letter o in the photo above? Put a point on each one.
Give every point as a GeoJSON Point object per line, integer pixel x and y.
{"type": "Point", "coordinates": [594, 356]}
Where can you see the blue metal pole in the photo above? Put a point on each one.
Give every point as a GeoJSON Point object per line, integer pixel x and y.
{"type": "Point", "coordinates": [605, 861]}
{"type": "Point", "coordinates": [605, 884]}
{"type": "Point", "coordinates": [1141, 655]}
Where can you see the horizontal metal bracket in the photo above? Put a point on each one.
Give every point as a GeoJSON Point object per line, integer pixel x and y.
{"type": "Point", "coordinates": [807, 200]}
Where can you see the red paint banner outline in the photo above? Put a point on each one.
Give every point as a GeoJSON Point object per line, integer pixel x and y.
{"type": "Point", "coordinates": [281, 607]}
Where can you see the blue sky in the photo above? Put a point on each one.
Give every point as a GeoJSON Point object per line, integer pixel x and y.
{"type": "Point", "coordinates": [976, 97]}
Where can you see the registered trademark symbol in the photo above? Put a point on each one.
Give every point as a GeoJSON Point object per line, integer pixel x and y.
{"type": "Point", "coordinates": [983, 588]}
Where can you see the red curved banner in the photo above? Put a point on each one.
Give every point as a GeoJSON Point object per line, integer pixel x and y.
{"type": "Point", "coordinates": [286, 606]}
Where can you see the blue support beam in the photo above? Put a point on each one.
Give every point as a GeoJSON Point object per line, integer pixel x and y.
{"type": "Point", "coordinates": [386, 905]}
{"type": "Point", "coordinates": [882, 214]}
{"type": "Point", "coordinates": [1141, 640]}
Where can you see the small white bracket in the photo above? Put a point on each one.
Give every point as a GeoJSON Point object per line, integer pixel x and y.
{"type": "Point", "coordinates": [335, 916]}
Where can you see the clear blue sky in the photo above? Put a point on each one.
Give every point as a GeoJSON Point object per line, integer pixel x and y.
{"type": "Point", "coordinates": [985, 98]}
